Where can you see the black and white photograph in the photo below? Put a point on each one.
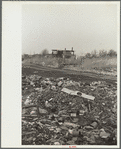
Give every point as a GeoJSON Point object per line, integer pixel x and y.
{"type": "Point", "coordinates": [68, 73]}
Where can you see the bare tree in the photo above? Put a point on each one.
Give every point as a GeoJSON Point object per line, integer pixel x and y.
{"type": "Point", "coordinates": [102, 53]}
{"type": "Point", "coordinates": [45, 52]}
{"type": "Point", "coordinates": [94, 53]}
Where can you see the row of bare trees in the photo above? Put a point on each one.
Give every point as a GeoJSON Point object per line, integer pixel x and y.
{"type": "Point", "coordinates": [102, 53]}
{"type": "Point", "coordinates": [93, 54]}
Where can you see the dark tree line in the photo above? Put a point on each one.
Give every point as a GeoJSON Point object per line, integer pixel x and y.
{"type": "Point", "coordinates": [102, 53]}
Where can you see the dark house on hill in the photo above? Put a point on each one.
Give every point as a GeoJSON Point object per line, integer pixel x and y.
{"type": "Point", "coordinates": [63, 53]}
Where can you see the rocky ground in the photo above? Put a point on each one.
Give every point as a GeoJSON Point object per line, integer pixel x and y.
{"type": "Point", "coordinates": [54, 115]}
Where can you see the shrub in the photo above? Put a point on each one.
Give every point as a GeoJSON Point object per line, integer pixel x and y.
{"type": "Point", "coordinates": [112, 53]}
{"type": "Point", "coordinates": [88, 55]}
{"type": "Point", "coordinates": [45, 52]}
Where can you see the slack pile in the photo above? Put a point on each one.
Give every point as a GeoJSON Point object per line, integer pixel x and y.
{"type": "Point", "coordinates": [64, 112]}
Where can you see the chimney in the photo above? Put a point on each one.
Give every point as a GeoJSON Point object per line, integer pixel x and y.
{"type": "Point", "coordinates": [72, 48]}
{"type": "Point", "coordinates": [65, 49]}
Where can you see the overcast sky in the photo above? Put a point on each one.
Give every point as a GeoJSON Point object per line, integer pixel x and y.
{"type": "Point", "coordinates": [83, 26]}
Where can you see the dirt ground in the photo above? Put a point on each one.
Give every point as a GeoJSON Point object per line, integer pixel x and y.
{"type": "Point", "coordinates": [74, 75]}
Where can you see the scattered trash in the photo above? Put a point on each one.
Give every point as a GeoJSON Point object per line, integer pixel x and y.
{"type": "Point", "coordinates": [58, 130]}
{"type": "Point", "coordinates": [53, 88]}
{"type": "Point", "coordinates": [94, 124]}
{"type": "Point", "coordinates": [33, 112]}
{"type": "Point", "coordinates": [77, 93]}
{"type": "Point", "coordinates": [61, 119]}
{"type": "Point", "coordinates": [81, 112]}
{"type": "Point", "coordinates": [70, 124]}
{"type": "Point", "coordinates": [42, 111]}
{"type": "Point", "coordinates": [55, 115]}
{"type": "Point", "coordinates": [71, 142]}
{"type": "Point", "coordinates": [88, 127]}
{"type": "Point", "coordinates": [103, 134]}
{"type": "Point", "coordinates": [91, 140]}
{"type": "Point", "coordinates": [57, 143]}
{"type": "Point", "coordinates": [27, 102]}
{"type": "Point", "coordinates": [75, 133]}
{"type": "Point", "coordinates": [47, 104]}
{"type": "Point", "coordinates": [60, 83]}
{"type": "Point", "coordinates": [71, 92]}
{"type": "Point", "coordinates": [75, 120]}
{"type": "Point", "coordinates": [50, 99]}
{"type": "Point", "coordinates": [43, 64]}
{"type": "Point", "coordinates": [73, 115]}
{"type": "Point", "coordinates": [70, 131]}
{"type": "Point", "coordinates": [87, 96]}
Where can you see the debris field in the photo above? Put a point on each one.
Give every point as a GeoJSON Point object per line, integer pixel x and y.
{"type": "Point", "coordinates": [61, 111]}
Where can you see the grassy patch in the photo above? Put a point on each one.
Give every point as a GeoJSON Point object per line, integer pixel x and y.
{"type": "Point", "coordinates": [107, 64]}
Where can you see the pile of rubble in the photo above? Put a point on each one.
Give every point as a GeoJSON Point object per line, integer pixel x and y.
{"type": "Point", "coordinates": [64, 112]}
